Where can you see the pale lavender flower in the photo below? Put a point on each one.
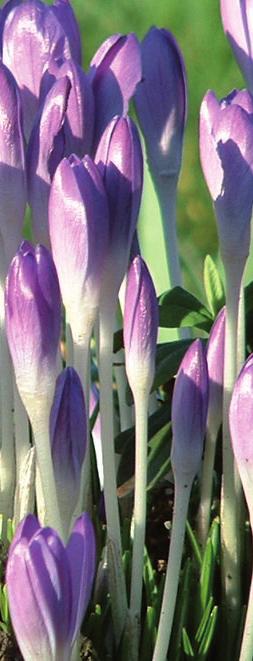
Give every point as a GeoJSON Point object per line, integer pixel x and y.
{"type": "Point", "coordinates": [238, 26]}
{"type": "Point", "coordinates": [215, 363]}
{"type": "Point", "coordinates": [49, 587]}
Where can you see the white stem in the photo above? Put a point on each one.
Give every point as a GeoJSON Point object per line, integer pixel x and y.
{"type": "Point", "coordinates": [82, 366]}
{"type": "Point", "coordinates": [125, 411]}
{"type": "Point", "coordinates": [231, 491]}
{"type": "Point", "coordinates": [207, 482]}
{"type": "Point", "coordinates": [241, 330]}
{"type": "Point", "coordinates": [7, 423]}
{"type": "Point", "coordinates": [166, 189]}
{"type": "Point", "coordinates": [140, 502]}
{"type": "Point", "coordinates": [246, 653]}
{"type": "Point", "coordinates": [182, 495]}
{"type": "Point", "coordinates": [38, 410]}
{"type": "Point", "coordinates": [107, 318]}
{"type": "Point", "coordinates": [21, 426]}
{"type": "Point", "coordinates": [69, 344]}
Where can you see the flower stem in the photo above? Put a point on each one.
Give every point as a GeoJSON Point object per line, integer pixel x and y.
{"type": "Point", "coordinates": [207, 483]}
{"type": "Point", "coordinates": [182, 495]}
{"type": "Point", "coordinates": [246, 653]}
{"type": "Point", "coordinates": [82, 366]}
{"type": "Point", "coordinates": [141, 400]}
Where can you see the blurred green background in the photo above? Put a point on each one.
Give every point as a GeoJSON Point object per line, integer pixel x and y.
{"type": "Point", "coordinates": [197, 27]}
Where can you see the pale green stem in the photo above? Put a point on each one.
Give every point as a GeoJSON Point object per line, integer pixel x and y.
{"type": "Point", "coordinates": [7, 473]}
{"type": "Point", "coordinates": [39, 410]}
{"type": "Point", "coordinates": [69, 344]}
{"type": "Point", "coordinates": [246, 653]}
{"type": "Point", "coordinates": [204, 512]}
{"type": "Point", "coordinates": [140, 501]}
{"type": "Point", "coordinates": [230, 497]}
{"type": "Point", "coordinates": [82, 366]}
{"type": "Point", "coordinates": [241, 331]}
{"type": "Point", "coordinates": [125, 411]}
{"type": "Point", "coordinates": [107, 319]}
{"type": "Point", "coordinates": [182, 495]}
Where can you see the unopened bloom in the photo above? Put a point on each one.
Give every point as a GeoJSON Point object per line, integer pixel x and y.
{"type": "Point", "coordinates": [226, 150]}
{"type": "Point", "coordinates": [119, 157]}
{"type": "Point", "coordinates": [238, 26]}
{"type": "Point", "coordinates": [189, 411]}
{"type": "Point", "coordinates": [49, 587]}
{"type": "Point", "coordinates": [161, 100]}
{"type": "Point", "coordinates": [115, 71]}
{"type": "Point", "coordinates": [140, 326]}
{"type": "Point", "coordinates": [241, 424]}
{"type": "Point", "coordinates": [12, 165]}
{"type": "Point", "coordinates": [32, 312]}
{"type": "Point", "coordinates": [46, 149]}
{"type": "Point", "coordinates": [68, 435]}
{"type": "Point", "coordinates": [215, 363]}
{"type": "Point", "coordinates": [78, 219]}
{"type": "Point", "coordinates": [32, 34]}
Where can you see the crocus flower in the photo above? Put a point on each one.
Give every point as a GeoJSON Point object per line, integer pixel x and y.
{"type": "Point", "coordinates": [115, 71]}
{"type": "Point", "coordinates": [119, 157]}
{"type": "Point", "coordinates": [32, 306]}
{"type": "Point", "coordinates": [189, 411]}
{"type": "Point", "coordinates": [161, 101]}
{"type": "Point", "coordinates": [237, 23]}
{"type": "Point", "coordinates": [68, 431]}
{"type": "Point", "coordinates": [12, 165]}
{"type": "Point", "coordinates": [45, 150]}
{"type": "Point", "coordinates": [33, 33]}
{"type": "Point", "coordinates": [80, 111]}
{"type": "Point", "coordinates": [49, 587]}
{"type": "Point", "coordinates": [140, 326]}
{"type": "Point", "coordinates": [241, 421]}
{"type": "Point", "coordinates": [226, 150]}
{"type": "Point", "coordinates": [78, 218]}
{"type": "Point", "coordinates": [215, 363]}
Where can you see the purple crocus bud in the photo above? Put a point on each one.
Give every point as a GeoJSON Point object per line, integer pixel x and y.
{"type": "Point", "coordinates": [32, 313]}
{"type": "Point", "coordinates": [45, 150]}
{"type": "Point", "coordinates": [49, 587]}
{"type": "Point", "coordinates": [32, 35]}
{"type": "Point", "coordinates": [215, 363]}
{"type": "Point", "coordinates": [79, 121]}
{"type": "Point", "coordinates": [189, 412]}
{"type": "Point", "coordinates": [68, 431]}
{"type": "Point", "coordinates": [140, 327]}
{"type": "Point", "coordinates": [6, 9]}
{"type": "Point", "coordinates": [226, 150]}
{"type": "Point", "coordinates": [161, 100]}
{"type": "Point", "coordinates": [12, 165]}
{"type": "Point", "coordinates": [115, 72]}
{"type": "Point", "coordinates": [78, 220]}
{"type": "Point", "coordinates": [241, 424]}
{"type": "Point", "coordinates": [120, 161]}
{"type": "Point", "coordinates": [237, 23]}
{"type": "Point", "coordinates": [63, 11]}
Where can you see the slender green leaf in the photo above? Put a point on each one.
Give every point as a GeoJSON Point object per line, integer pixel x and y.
{"type": "Point", "coordinates": [187, 646]}
{"type": "Point", "coordinates": [204, 620]}
{"type": "Point", "coordinates": [149, 577]}
{"type": "Point", "coordinates": [194, 543]}
{"type": "Point", "coordinates": [159, 456]}
{"type": "Point", "coordinates": [209, 632]}
{"type": "Point", "coordinates": [206, 576]}
{"type": "Point", "coordinates": [213, 286]}
{"type": "Point", "coordinates": [168, 359]}
{"type": "Point", "coordinates": [181, 611]}
{"type": "Point", "coordinates": [180, 308]}
{"type": "Point", "coordinates": [148, 635]}
{"type": "Point", "coordinates": [215, 536]}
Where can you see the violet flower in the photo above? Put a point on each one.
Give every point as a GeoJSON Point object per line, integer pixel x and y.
{"type": "Point", "coordinates": [189, 411]}
{"type": "Point", "coordinates": [140, 326]}
{"type": "Point", "coordinates": [32, 312]}
{"type": "Point", "coordinates": [79, 120]}
{"type": "Point", "coordinates": [119, 157]}
{"type": "Point", "coordinates": [68, 434]}
{"type": "Point", "coordinates": [115, 72]}
{"type": "Point", "coordinates": [215, 363]}
{"type": "Point", "coordinates": [78, 219]}
{"type": "Point", "coordinates": [226, 150]}
{"type": "Point", "coordinates": [161, 101]}
{"type": "Point", "coordinates": [237, 23]}
{"type": "Point", "coordinates": [45, 150]}
{"type": "Point", "coordinates": [49, 587]}
{"type": "Point", "coordinates": [33, 33]}
{"type": "Point", "coordinates": [12, 165]}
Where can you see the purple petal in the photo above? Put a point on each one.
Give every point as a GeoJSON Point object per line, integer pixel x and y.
{"type": "Point", "coordinates": [66, 17]}
{"type": "Point", "coordinates": [81, 551]}
{"type": "Point", "coordinates": [237, 24]}
{"type": "Point", "coordinates": [215, 363]}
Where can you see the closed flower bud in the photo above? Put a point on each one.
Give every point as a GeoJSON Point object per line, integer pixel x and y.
{"type": "Point", "coordinates": [189, 412]}
{"type": "Point", "coordinates": [140, 327]}
{"type": "Point", "coordinates": [115, 72]}
{"type": "Point", "coordinates": [241, 425]}
{"type": "Point", "coordinates": [49, 587]}
{"type": "Point", "coordinates": [45, 151]}
{"type": "Point", "coordinates": [78, 218]}
{"type": "Point", "coordinates": [237, 24]}
{"type": "Point", "coordinates": [32, 311]}
{"type": "Point", "coordinates": [161, 100]}
{"type": "Point", "coordinates": [68, 431]}
{"type": "Point", "coordinates": [215, 363]}
{"type": "Point", "coordinates": [226, 150]}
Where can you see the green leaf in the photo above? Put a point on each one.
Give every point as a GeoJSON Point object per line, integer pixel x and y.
{"type": "Point", "coordinates": [206, 576]}
{"type": "Point", "coordinates": [213, 286]}
{"type": "Point", "coordinates": [194, 543]}
{"type": "Point", "coordinates": [168, 358]}
{"type": "Point", "coordinates": [187, 646]}
{"type": "Point", "coordinates": [4, 605]}
{"type": "Point", "coordinates": [148, 635]}
{"type": "Point", "coordinates": [209, 633]}
{"type": "Point", "coordinates": [178, 307]}
{"type": "Point", "coordinates": [204, 621]}
{"type": "Point", "coordinates": [149, 577]}
{"type": "Point", "coordinates": [159, 456]}
{"type": "Point", "coordinates": [181, 610]}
